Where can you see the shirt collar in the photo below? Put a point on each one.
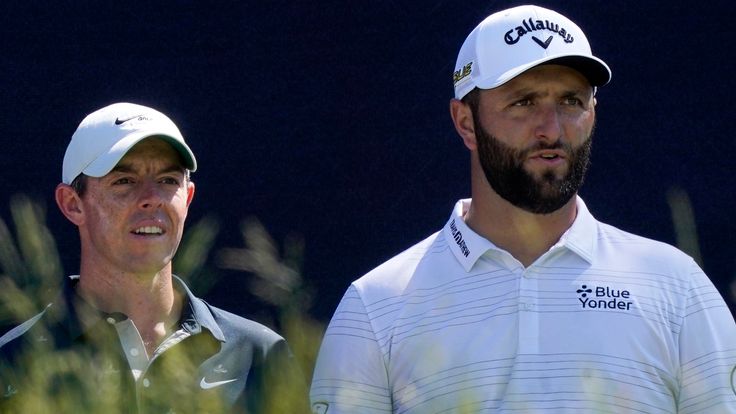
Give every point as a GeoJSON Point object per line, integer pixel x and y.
{"type": "Point", "coordinates": [581, 238]}
{"type": "Point", "coordinates": [196, 314]}
{"type": "Point", "coordinates": [468, 246]}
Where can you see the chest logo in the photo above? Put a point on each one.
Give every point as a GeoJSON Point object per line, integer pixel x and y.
{"type": "Point", "coordinates": [209, 385]}
{"type": "Point", "coordinates": [604, 297]}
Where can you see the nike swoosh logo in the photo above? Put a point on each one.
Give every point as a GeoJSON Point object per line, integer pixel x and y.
{"type": "Point", "coordinates": [119, 121]}
{"type": "Point", "coordinates": [544, 44]}
{"type": "Point", "coordinates": [208, 385]}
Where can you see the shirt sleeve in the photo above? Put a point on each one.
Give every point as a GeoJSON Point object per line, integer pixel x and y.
{"type": "Point", "coordinates": [707, 351]}
{"type": "Point", "coordinates": [279, 385]}
{"type": "Point", "coordinates": [350, 375]}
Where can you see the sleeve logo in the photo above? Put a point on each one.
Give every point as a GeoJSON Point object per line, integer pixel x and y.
{"type": "Point", "coordinates": [320, 408]}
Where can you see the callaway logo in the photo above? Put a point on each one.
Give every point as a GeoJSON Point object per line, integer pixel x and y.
{"type": "Point", "coordinates": [119, 121]}
{"type": "Point", "coordinates": [209, 385]}
{"type": "Point", "coordinates": [531, 25]}
{"type": "Point", "coordinates": [544, 44]}
{"type": "Point", "coordinates": [604, 297]}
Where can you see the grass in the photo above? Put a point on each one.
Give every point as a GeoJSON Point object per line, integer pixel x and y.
{"type": "Point", "coordinates": [31, 271]}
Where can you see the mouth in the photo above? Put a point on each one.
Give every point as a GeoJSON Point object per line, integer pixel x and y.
{"type": "Point", "coordinates": [148, 231]}
{"type": "Point", "coordinates": [549, 155]}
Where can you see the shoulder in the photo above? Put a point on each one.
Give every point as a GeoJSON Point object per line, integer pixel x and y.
{"type": "Point", "coordinates": [236, 324]}
{"type": "Point", "coordinates": [228, 326]}
{"type": "Point", "coordinates": [664, 270]}
{"type": "Point", "coordinates": [613, 241]}
{"type": "Point", "coordinates": [240, 331]}
{"type": "Point", "coordinates": [20, 340]}
{"type": "Point", "coordinates": [13, 332]}
{"type": "Point", "coordinates": [394, 275]}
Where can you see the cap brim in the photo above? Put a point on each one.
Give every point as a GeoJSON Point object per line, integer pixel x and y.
{"type": "Point", "coordinates": [103, 164]}
{"type": "Point", "coordinates": [594, 69]}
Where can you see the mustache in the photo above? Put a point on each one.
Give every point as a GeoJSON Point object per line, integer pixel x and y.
{"type": "Point", "coordinates": [559, 144]}
{"type": "Point", "coordinates": [541, 146]}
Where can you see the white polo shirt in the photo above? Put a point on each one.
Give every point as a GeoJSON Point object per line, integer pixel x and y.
{"type": "Point", "coordinates": [605, 321]}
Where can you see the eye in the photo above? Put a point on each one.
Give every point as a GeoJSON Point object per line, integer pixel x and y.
{"type": "Point", "coordinates": [171, 180]}
{"type": "Point", "coordinates": [522, 102]}
{"type": "Point", "coordinates": [122, 181]}
{"type": "Point", "coordinates": [572, 101]}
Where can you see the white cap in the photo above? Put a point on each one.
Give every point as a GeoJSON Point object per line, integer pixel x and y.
{"type": "Point", "coordinates": [106, 135]}
{"type": "Point", "coordinates": [512, 41]}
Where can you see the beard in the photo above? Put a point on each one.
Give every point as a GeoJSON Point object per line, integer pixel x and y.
{"type": "Point", "coordinates": [504, 169]}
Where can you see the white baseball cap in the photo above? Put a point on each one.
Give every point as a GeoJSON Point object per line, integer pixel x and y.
{"type": "Point", "coordinates": [105, 136]}
{"type": "Point", "coordinates": [512, 41]}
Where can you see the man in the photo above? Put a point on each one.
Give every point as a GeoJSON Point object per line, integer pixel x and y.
{"type": "Point", "coordinates": [524, 302]}
{"type": "Point", "coordinates": [126, 335]}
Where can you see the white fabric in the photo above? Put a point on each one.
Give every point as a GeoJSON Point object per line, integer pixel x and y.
{"type": "Point", "coordinates": [605, 321]}
{"type": "Point", "coordinates": [512, 41]}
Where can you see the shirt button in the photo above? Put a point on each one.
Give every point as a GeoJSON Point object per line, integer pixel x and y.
{"type": "Point", "coordinates": [146, 382]}
{"type": "Point", "coordinates": [134, 351]}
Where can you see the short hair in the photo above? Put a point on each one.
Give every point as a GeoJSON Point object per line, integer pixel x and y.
{"type": "Point", "coordinates": [472, 99]}
{"type": "Point", "coordinates": [79, 184]}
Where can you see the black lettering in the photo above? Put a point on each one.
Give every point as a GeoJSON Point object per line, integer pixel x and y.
{"type": "Point", "coordinates": [458, 236]}
{"type": "Point", "coordinates": [509, 39]}
{"type": "Point", "coordinates": [531, 25]}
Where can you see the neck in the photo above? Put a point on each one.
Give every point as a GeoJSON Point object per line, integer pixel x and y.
{"type": "Point", "coordinates": [525, 235]}
{"type": "Point", "coordinates": [150, 302]}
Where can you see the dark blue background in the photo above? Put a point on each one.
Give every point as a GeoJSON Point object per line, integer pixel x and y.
{"type": "Point", "coordinates": [330, 120]}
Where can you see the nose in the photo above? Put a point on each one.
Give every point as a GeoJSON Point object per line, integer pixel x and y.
{"type": "Point", "coordinates": [548, 125]}
{"type": "Point", "coordinates": [151, 195]}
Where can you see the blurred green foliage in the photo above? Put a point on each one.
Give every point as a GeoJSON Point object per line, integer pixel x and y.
{"type": "Point", "coordinates": [31, 271]}
{"type": "Point", "coordinates": [30, 268]}
{"type": "Point", "coordinates": [31, 274]}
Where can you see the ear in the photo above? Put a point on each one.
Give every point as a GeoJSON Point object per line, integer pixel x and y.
{"type": "Point", "coordinates": [69, 203]}
{"type": "Point", "coordinates": [462, 118]}
{"type": "Point", "coordinates": [190, 192]}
